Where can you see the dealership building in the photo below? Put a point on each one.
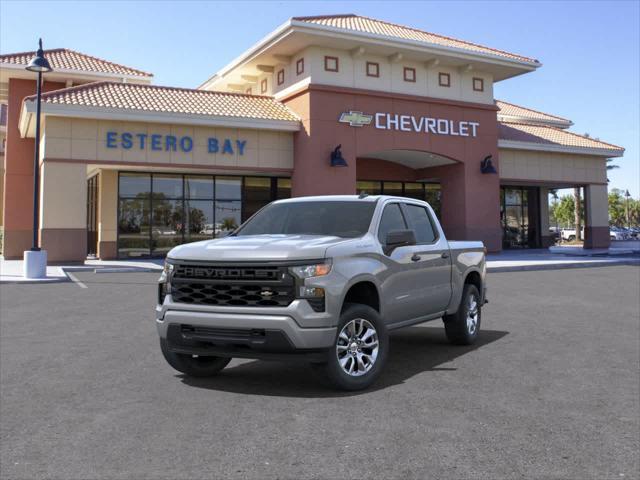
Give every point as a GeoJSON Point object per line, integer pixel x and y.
{"type": "Point", "coordinates": [323, 105]}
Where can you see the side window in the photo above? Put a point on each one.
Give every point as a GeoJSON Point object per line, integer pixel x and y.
{"type": "Point", "coordinates": [392, 219]}
{"type": "Point", "coordinates": [418, 218]}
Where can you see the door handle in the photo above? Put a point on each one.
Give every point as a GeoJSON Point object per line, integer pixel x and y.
{"type": "Point", "coordinates": [415, 257]}
{"type": "Point", "coordinates": [445, 255]}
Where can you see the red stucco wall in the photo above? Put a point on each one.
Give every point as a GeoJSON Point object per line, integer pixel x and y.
{"type": "Point", "coordinates": [470, 200]}
{"type": "Point", "coordinates": [18, 178]}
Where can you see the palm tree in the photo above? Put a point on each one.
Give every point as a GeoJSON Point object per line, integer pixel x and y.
{"type": "Point", "coordinates": [611, 167]}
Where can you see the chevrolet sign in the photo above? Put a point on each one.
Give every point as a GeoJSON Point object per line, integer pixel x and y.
{"type": "Point", "coordinates": [355, 119]}
{"type": "Point", "coordinates": [411, 123]}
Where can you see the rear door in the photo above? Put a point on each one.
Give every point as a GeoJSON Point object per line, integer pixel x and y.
{"type": "Point", "coordinates": [402, 287]}
{"type": "Point", "coordinates": [432, 258]}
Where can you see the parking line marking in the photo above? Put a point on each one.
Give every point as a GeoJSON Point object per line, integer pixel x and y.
{"type": "Point", "coordinates": [75, 280]}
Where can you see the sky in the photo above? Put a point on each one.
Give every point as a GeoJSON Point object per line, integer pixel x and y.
{"type": "Point", "coordinates": [590, 51]}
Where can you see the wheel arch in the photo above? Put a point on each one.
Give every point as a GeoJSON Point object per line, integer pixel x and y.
{"type": "Point", "coordinates": [363, 290]}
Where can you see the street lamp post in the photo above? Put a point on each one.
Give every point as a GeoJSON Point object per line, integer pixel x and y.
{"type": "Point", "coordinates": [35, 260]}
{"type": "Point", "coordinates": [626, 208]}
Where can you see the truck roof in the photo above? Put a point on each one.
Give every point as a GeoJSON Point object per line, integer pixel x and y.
{"type": "Point", "coordinates": [338, 198]}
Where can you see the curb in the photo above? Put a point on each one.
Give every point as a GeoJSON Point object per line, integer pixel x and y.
{"type": "Point", "coordinates": [125, 270]}
{"type": "Point", "coordinates": [563, 266]}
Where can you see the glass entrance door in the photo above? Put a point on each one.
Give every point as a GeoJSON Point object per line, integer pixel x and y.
{"type": "Point", "coordinates": [92, 216]}
{"type": "Point", "coordinates": [520, 217]}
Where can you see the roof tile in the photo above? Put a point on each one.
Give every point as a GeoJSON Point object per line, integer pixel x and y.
{"type": "Point", "coordinates": [512, 110]}
{"type": "Point", "coordinates": [370, 25]}
{"type": "Point", "coordinates": [546, 135]}
{"type": "Point", "coordinates": [152, 98]}
{"type": "Point", "coordinates": [65, 59]}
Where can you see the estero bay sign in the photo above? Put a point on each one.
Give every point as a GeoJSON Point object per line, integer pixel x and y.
{"type": "Point", "coordinates": [411, 123]}
{"type": "Point", "coordinates": [171, 143]}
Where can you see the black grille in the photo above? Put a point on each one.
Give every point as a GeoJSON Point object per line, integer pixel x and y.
{"type": "Point", "coordinates": [246, 286]}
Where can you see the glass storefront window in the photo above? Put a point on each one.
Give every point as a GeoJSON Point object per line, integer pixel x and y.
{"type": "Point", "coordinates": [135, 185]}
{"type": "Point", "coordinates": [433, 196]}
{"type": "Point", "coordinates": [228, 188]}
{"type": "Point", "coordinates": [371, 188]}
{"type": "Point", "coordinates": [228, 217]}
{"type": "Point", "coordinates": [185, 208]}
{"type": "Point", "coordinates": [167, 186]}
{"type": "Point", "coordinates": [199, 220]}
{"type": "Point", "coordinates": [257, 192]}
{"type": "Point", "coordinates": [414, 190]}
{"type": "Point", "coordinates": [200, 188]}
{"type": "Point", "coordinates": [392, 188]}
{"type": "Point", "coordinates": [133, 227]}
{"type": "Point", "coordinates": [167, 225]}
{"type": "Point", "coordinates": [284, 188]}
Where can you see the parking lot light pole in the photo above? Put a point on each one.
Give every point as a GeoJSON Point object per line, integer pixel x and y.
{"type": "Point", "coordinates": [626, 208]}
{"type": "Point", "coordinates": [35, 260]}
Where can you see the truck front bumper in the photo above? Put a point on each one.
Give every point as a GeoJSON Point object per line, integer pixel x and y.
{"type": "Point", "coordinates": [247, 335]}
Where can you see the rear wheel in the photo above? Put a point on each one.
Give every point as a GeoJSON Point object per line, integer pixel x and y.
{"type": "Point", "coordinates": [463, 326]}
{"type": "Point", "coordinates": [360, 349]}
{"type": "Point", "coordinates": [193, 365]}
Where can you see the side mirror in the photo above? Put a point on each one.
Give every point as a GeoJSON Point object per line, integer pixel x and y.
{"type": "Point", "coordinates": [399, 238]}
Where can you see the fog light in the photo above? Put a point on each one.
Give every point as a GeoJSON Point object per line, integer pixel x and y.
{"type": "Point", "coordinates": [311, 292]}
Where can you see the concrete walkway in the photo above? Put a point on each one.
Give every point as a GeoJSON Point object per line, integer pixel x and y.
{"type": "Point", "coordinates": [506, 261]}
{"type": "Point", "coordinates": [11, 270]}
{"type": "Point", "coordinates": [543, 259]}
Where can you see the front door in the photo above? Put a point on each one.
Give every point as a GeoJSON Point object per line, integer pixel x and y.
{"type": "Point", "coordinates": [433, 259]}
{"type": "Point", "coordinates": [92, 216]}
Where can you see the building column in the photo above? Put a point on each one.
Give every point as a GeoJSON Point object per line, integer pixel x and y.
{"type": "Point", "coordinates": [312, 170]}
{"type": "Point", "coordinates": [546, 239]}
{"type": "Point", "coordinates": [108, 215]}
{"type": "Point", "coordinates": [470, 203]}
{"type": "Point", "coordinates": [18, 172]}
{"type": "Point", "coordinates": [63, 211]}
{"type": "Point", "coordinates": [596, 232]}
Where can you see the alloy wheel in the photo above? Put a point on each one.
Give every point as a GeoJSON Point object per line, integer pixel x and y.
{"type": "Point", "coordinates": [357, 347]}
{"type": "Point", "coordinates": [472, 315]}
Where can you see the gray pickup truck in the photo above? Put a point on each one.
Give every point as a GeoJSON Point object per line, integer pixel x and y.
{"type": "Point", "coordinates": [322, 279]}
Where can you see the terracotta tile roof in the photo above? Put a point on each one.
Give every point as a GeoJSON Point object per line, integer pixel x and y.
{"type": "Point", "coordinates": [512, 110]}
{"type": "Point", "coordinates": [370, 25]}
{"type": "Point", "coordinates": [65, 59]}
{"type": "Point", "coordinates": [545, 135]}
{"type": "Point", "coordinates": [152, 98]}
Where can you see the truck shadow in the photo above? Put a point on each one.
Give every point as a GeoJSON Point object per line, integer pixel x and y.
{"type": "Point", "coordinates": [413, 351]}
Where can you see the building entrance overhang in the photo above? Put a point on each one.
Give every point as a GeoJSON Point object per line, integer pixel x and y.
{"type": "Point", "coordinates": [414, 159]}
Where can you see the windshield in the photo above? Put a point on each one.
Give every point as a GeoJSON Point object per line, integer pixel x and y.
{"type": "Point", "coordinates": [334, 218]}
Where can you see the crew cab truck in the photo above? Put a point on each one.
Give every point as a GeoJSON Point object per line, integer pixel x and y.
{"type": "Point", "coordinates": [322, 279]}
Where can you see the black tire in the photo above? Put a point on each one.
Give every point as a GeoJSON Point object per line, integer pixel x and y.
{"type": "Point", "coordinates": [332, 369]}
{"type": "Point", "coordinates": [459, 331]}
{"type": "Point", "coordinates": [571, 238]}
{"type": "Point", "coordinates": [193, 366]}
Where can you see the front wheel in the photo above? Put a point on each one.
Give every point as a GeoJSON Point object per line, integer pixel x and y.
{"type": "Point", "coordinates": [193, 365]}
{"type": "Point", "coordinates": [360, 349]}
{"type": "Point", "coordinates": [463, 326]}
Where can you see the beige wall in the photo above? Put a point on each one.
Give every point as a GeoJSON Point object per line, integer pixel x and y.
{"type": "Point", "coordinates": [83, 139]}
{"type": "Point", "coordinates": [352, 73]}
{"type": "Point", "coordinates": [597, 206]}
{"type": "Point", "coordinates": [63, 196]}
{"type": "Point", "coordinates": [108, 206]}
{"type": "Point", "coordinates": [551, 167]}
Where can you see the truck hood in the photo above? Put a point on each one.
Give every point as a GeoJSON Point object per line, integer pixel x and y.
{"type": "Point", "coordinates": [257, 248]}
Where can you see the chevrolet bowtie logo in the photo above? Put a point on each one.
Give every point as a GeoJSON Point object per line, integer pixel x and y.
{"type": "Point", "coordinates": [355, 119]}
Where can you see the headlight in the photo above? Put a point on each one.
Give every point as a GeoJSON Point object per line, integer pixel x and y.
{"type": "Point", "coordinates": [308, 271]}
{"type": "Point", "coordinates": [168, 268]}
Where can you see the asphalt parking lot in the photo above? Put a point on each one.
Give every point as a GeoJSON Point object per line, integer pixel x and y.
{"type": "Point", "coordinates": [551, 391]}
